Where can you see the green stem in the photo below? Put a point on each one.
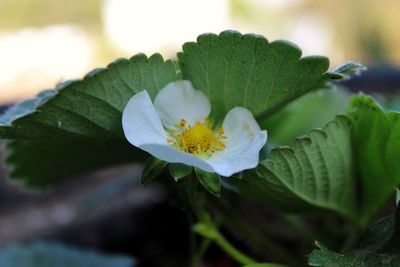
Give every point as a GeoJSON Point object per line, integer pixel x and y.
{"type": "Point", "coordinates": [205, 243]}
{"type": "Point", "coordinates": [196, 202]}
{"type": "Point", "coordinates": [224, 244]}
{"type": "Point", "coordinates": [246, 230]}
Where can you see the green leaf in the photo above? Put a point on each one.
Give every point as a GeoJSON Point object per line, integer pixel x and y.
{"type": "Point", "coordinates": [42, 163]}
{"type": "Point", "coordinates": [77, 127]}
{"type": "Point", "coordinates": [152, 169]}
{"type": "Point", "coordinates": [326, 258]}
{"type": "Point", "coordinates": [179, 170]}
{"type": "Point", "coordinates": [50, 254]}
{"type": "Point", "coordinates": [313, 110]}
{"type": "Point", "coordinates": [211, 181]}
{"type": "Point", "coordinates": [248, 71]}
{"type": "Point", "coordinates": [376, 142]}
{"type": "Point", "coordinates": [379, 234]}
{"type": "Point", "coordinates": [379, 246]}
{"type": "Point", "coordinates": [91, 107]}
{"type": "Point", "coordinates": [315, 173]}
{"type": "Point", "coordinates": [350, 167]}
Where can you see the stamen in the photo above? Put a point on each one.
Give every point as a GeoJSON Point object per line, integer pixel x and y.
{"type": "Point", "coordinates": [198, 139]}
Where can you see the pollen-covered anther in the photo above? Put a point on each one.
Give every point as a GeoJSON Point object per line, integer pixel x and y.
{"type": "Point", "coordinates": [198, 139]}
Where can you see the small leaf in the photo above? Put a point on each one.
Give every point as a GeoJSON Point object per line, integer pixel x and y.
{"type": "Point", "coordinates": [248, 71]}
{"type": "Point", "coordinates": [347, 70]}
{"type": "Point", "coordinates": [152, 169]}
{"type": "Point", "coordinates": [179, 170]}
{"type": "Point", "coordinates": [211, 181]}
{"type": "Point", "coordinates": [50, 254]}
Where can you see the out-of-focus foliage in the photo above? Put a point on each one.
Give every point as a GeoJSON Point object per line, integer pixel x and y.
{"type": "Point", "coordinates": [39, 13]}
{"type": "Point", "coordinates": [379, 246]}
{"type": "Point", "coordinates": [365, 30]}
{"type": "Point", "coordinates": [311, 111]}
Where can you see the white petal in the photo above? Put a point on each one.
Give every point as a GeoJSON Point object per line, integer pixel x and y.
{"type": "Point", "coordinates": [179, 100]}
{"type": "Point", "coordinates": [239, 125]}
{"type": "Point", "coordinates": [245, 155]}
{"type": "Point", "coordinates": [243, 144]}
{"type": "Point", "coordinates": [170, 154]}
{"type": "Point", "coordinates": [141, 123]}
{"type": "Point", "coordinates": [143, 129]}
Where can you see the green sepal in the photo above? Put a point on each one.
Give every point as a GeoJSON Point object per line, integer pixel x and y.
{"type": "Point", "coordinates": [211, 181]}
{"type": "Point", "coordinates": [179, 170]}
{"type": "Point", "coordinates": [152, 169]}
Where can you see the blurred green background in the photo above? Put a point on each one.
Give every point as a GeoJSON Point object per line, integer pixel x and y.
{"type": "Point", "coordinates": [43, 42]}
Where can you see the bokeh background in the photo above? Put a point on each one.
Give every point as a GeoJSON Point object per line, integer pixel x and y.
{"type": "Point", "coordinates": [44, 42]}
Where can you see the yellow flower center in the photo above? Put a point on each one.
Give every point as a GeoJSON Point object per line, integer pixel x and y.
{"type": "Point", "coordinates": [198, 139]}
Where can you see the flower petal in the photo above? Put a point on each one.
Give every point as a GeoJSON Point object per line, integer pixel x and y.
{"type": "Point", "coordinates": [141, 123]}
{"type": "Point", "coordinates": [179, 100]}
{"type": "Point", "coordinates": [143, 129]}
{"type": "Point", "coordinates": [243, 156]}
{"type": "Point", "coordinates": [243, 144]}
{"type": "Point", "coordinates": [239, 125]}
{"type": "Point", "coordinates": [170, 154]}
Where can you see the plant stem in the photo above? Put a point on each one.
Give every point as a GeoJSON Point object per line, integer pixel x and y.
{"type": "Point", "coordinates": [224, 244]}
{"type": "Point", "coordinates": [244, 229]}
{"type": "Point", "coordinates": [205, 243]}
{"type": "Point", "coordinates": [196, 202]}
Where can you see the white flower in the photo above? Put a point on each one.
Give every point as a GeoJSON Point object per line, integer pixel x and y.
{"type": "Point", "coordinates": [176, 129]}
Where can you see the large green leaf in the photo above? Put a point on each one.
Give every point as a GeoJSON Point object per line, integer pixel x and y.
{"type": "Point", "coordinates": [46, 254]}
{"type": "Point", "coordinates": [77, 127]}
{"type": "Point", "coordinates": [42, 163]}
{"type": "Point", "coordinates": [376, 142]}
{"type": "Point", "coordinates": [247, 70]}
{"type": "Point", "coordinates": [91, 107]}
{"type": "Point", "coordinates": [350, 167]}
{"type": "Point", "coordinates": [316, 172]}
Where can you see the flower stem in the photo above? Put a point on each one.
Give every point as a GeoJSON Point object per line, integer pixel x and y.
{"type": "Point", "coordinates": [244, 229]}
{"type": "Point", "coordinates": [224, 244]}
{"type": "Point", "coordinates": [205, 243]}
{"type": "Point", "coordinates": [207, 227]}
